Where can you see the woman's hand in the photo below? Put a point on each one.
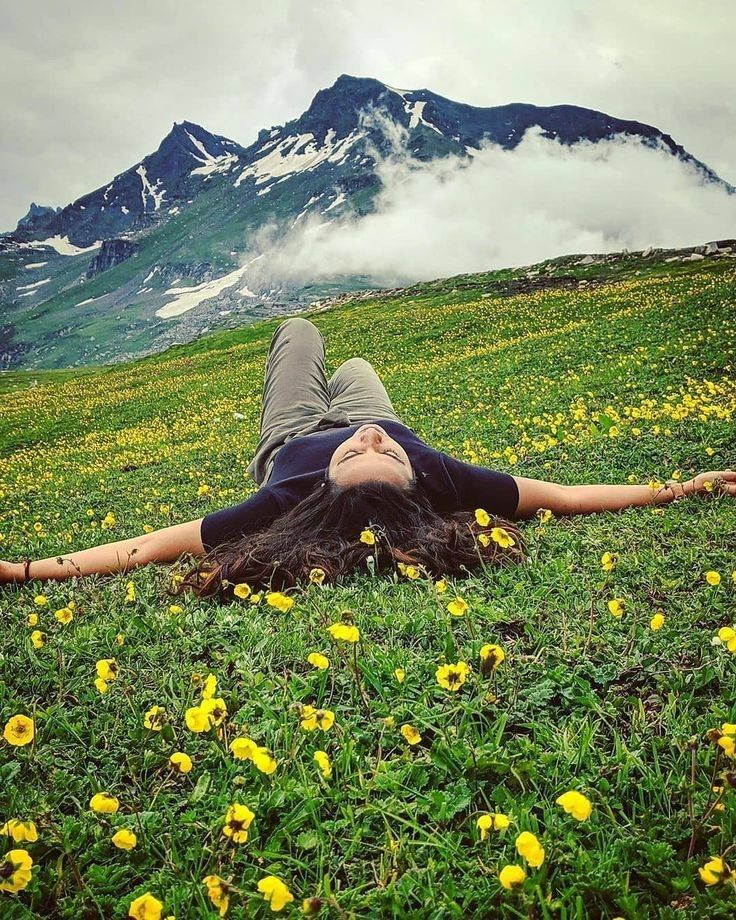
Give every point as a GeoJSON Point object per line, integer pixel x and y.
{"type": "Point", "coordinates": [11, 572]}
{"type": "Point", "coordinates": [720, 482]}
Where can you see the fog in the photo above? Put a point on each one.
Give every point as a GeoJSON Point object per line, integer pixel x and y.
{"type": "Point", "coordinates": [499, 208]}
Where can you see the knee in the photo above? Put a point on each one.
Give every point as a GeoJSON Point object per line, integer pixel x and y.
{"type": "Point", "coordinates": [295, 323]}
{"type": "Point", "coordinates": [356, 364]}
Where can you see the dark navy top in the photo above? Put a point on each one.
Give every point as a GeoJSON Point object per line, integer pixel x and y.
{"type": "Point", "coordinates": [301, 463]}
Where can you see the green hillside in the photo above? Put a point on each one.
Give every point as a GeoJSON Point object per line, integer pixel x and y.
{"type": "Point", "coordinates": [626, 378]}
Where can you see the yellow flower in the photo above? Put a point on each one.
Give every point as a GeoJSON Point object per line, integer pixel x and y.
{"type": "Point", "coordinates": [129, 593]}
{"type": "Point", "coordinates": [616, 606]}
{"type": "Point", "coordinates": [544, 515]}
{"type": "Point", "coordinates": [175, 608]}
{"type": "Point", "coordinates": [482, 517]}
{"type": "Point", "coordinates": [496, 821]}
{"type": "Point", "coordinates": [279, 601]}
{"type": "Point", "coordinates": [400, 675]}
{"type": "Point", "coordinates": [215, 710]}
{"type": "Point", "coordinates": [241, 590]}
{"type": "Point", "coordinates": [38, 638]}
{"type": "Point", "coordinates": [256, 598]}
{"type": "Point", "coordinates": [367, 536]}
{"type": "Point", "coordinates": [457, 607]}
{"type": "Point", "coordinates": [40, 600]}
{"type": "Point", "coordinates": [15, 871]}
{"type": "Point", "coordinates": [210, 687]}
{"type": "Point", "coordinates": [197, 719]}
{"type": "Point", "coordinates": [441, 585]}
{"type": "Point", "coordinates": [101, 685]}
{"type": "Point", "coordinates": [64, 615]}
{"type": "Point", "coordinates": [511, 876]}
{"type": "Point", "coordinates": [411, 735]}
{"type": "Point", "coordinates": [317, 576]}
{"type": "Point", "coordinates": [124, 839]}
{"type": "Point", "coordinates": [491, 657]}
{"type": "Point", "coordinates": [452, 676]}
{"type": "Point", "coordinates": [243, 748]}
{"type": "Point", "coordinates": [323, 762]}
{"type": "Point", "coordinates": [484, 539]}
{"type": "Point", "coordinates": [530, 848]}
{"type": "Point", "coordinates": [263, 761]}
{"type": "Point", "coordinates": [32, 619]}
{"type": "Point", "coordinates": [318, 661]}
{"type": "Point", "coordinates": [181, 761]}
{"type": "Point", "coordinates": [19, 730]}
{"type": "Point", "coordinates": [120, 639]}
{"type": "Point", "coordinates": [146, 907]}
{"type": "Point", "coordinates": [411, 571]}
{"type": "Point", "coordinates": [575, 804]}
{"type": "Point", "coordinates": [501, 536]}
{"type": "Point", "coordinates": [715, 871]}
{"type": "Point", "coordinates": [713, 578]}
{"type": "Point", "coordinates": [237, 821]}
{"type": "Point", "coordinates": [107, 668]}
{"type": "Point", "coordinates": [155, 718]}
{"type": "Point", "coordinates": [312, 719]}
{"type": "Point", "coordinates": [275, 892]}
{"type": "Point", "coordinates": [218, 892]}
{"type": "Point", "coordinates": [708, 485]}
{"type": "Point", "coordinates": [104, 803]}
{"type": "Point", "coordinates": [727, 635]}
{"type": "Point", "coordinates": [657, 621]}
{"type": "Point", "coordinates": [608, 561]}
{"type": "Point", "coordinates": [344, 631]}
{"type": "Point", "coordinates": [20, 830]}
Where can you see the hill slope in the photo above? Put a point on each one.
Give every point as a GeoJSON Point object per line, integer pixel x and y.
{"type": "Point", "coordinates": [627, 376]}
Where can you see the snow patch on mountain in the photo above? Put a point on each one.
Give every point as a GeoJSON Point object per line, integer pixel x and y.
{"type": "Point", "coordinates": [35, 284]}
{"type": "Point", "coordinates": [210, 163]}
{"type": "Point", "coordinates": [153, 191]}
{"type": "Point", "coordinates": [288, 157]}
{"type": "Point", "coordinates": [62, 245]}
{"type": "Point", "coordinates": [189, 297]}
{"type": "Point", "coordinates": [413, 110]}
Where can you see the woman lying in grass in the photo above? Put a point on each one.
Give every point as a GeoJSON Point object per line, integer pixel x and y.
{"type": "Point", "coordinates": [342, 479]}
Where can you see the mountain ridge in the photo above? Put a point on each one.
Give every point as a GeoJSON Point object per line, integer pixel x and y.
{"type": "Point", "coordinates": [160, 253]}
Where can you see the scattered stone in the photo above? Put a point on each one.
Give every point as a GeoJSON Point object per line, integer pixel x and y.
{"type": "Point", "coordinates": [711, 249]}
{"type": "Point", "coordinates": [673, 259]}
{"type": "Point", "coordinates": [647, 252]}
{"type": "Point", "coordinates": [694, 257]}
{"type": "Point", "coordinates": [587, 260]}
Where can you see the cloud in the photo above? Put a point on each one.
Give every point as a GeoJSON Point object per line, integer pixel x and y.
{"type": "Point", "coordinates": [501, 208]}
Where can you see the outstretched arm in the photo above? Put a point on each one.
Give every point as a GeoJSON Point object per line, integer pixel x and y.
{"type": "Point", "coordinates": [165, 545]}
{"type": "Point", "coordinates": [535, 494]}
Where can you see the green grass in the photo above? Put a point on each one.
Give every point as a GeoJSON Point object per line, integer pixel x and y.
{"type": "Point", "coordinates": [628, 381]}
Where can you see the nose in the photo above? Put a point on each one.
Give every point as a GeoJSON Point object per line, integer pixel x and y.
{"type": "Point", "coordinates": [371, 436]}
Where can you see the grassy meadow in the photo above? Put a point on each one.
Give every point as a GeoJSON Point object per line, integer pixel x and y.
{"type": "Point", "coordinates": [419, 796]}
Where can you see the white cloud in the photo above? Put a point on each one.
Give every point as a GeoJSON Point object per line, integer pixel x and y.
{"type": "Point", "coordinates": [504, 208]}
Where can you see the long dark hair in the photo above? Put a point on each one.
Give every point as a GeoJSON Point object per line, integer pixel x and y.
{"type": "Point", "coordinates": [323, 531]}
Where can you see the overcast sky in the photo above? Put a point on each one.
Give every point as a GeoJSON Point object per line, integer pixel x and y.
{"type": "Point", "coordinates": [89, 88]}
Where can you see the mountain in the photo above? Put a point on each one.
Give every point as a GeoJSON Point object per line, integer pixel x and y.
{"type": "Point", "coordinates": [160, 254]}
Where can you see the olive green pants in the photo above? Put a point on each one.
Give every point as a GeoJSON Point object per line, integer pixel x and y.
{"type": "Point", "coordinates": [299, 400]}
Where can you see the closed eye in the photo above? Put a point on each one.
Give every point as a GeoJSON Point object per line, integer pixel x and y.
{"type": "Point", "coordinates": [354, 453]}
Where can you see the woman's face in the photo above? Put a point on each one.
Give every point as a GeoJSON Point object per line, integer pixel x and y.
{"type": "Point", "coordinates": [370, 454]}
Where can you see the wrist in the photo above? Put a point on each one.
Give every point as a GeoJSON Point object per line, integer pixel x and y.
{"type": "Point", "coordinates": [17, 572]}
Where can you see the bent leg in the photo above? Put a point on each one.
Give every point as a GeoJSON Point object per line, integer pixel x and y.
{"type": "Point", "coordinates": [295, 390]}
{"type": "Point", "coordinates": [356, 389]}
